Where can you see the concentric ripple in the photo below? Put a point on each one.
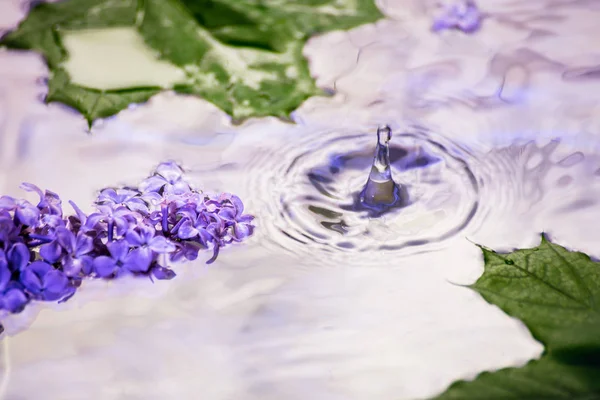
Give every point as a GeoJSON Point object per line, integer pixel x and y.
{"type": "Point", "coordinates": [313, 186]}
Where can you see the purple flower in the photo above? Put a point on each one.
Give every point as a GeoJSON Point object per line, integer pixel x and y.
{"type": "Point", "coordinates": [49, 203]}
{"type": "Point", "coordinates": [13, 299]}
{"type": "Point", "coordinates": [168, 177]}
{"type": "Point", "coordinates": [72, 249]}
{"type": "Point", "coordinates": [124, 198]}
{"type": "Point", "coordinates": [145, 247]}
{"type": "Point", "coordinates": [233, 214]}
{"type": "Point", "coordinates": [44, 282]}
{"type": "Point", "coordinates": [461, 15]}
{"type": "Point", "coordinates": [187, 250]}
{"type": "Point", "coordinates": [44, 256]}
{"type": "Point", "coordinates": [25, 212]}
{"type": "Point", "coordinates": [120, 218]}
{"type": "Point", "coordinates": [144, 237]}
{"type": "Point", "coordinates": [5, 272]}
{"type": "Point", "coordinates": [197, 227]}
{"type": "Point", "coordinates": [9, 232]}
{"type": "Point", "coordinates": [122, 259]}
{"type": "Point", "coordinates": [18, 257]}
{"type": "Point", "coordinates": [162, 273]}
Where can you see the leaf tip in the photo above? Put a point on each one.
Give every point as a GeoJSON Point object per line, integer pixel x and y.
{"type": "Point", "coordinates": [545, 238]}
{"type": "Point", "coordinates": [482, 247]}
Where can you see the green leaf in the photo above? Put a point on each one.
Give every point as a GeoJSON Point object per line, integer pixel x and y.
{"type": "Point", "coordinates": [92, 103]}
{"type": "Point", "coordinates": [245, 56]}
{"type": "Point", "coordinates": [555, 292]}
{"type": "Point", "coordinates": [542, 379]}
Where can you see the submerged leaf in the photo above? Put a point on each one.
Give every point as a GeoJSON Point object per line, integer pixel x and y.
{"type": "Point", "coordinates": [555, 292]}
{"type": "Point", "coordinates": [243, 56]}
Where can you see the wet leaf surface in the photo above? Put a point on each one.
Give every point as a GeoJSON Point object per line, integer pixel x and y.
{"type": "Point", "coordinates": [554, 292]}
{"type": "Point", "coordinates": [243, 56]}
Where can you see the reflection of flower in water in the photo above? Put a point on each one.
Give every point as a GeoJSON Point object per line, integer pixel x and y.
{"type": "Point", "coordinates": [461, 15]}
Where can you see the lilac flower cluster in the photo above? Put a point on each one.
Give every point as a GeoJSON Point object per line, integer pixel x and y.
{"type": "Point", "coordinates": [44, 255]}
{"type": "Point", "coordinates": [462, 15]}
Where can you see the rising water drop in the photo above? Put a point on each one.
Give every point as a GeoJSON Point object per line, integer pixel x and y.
{"type": "Point", "coordinates": [381, 192]}
{"type": "Point", "coordinates": [341, 192]}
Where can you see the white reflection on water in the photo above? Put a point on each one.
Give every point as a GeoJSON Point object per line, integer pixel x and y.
{"type": "Point", "coordinates": [269, 320]}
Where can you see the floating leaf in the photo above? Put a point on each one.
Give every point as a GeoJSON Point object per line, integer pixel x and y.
{"type": "Point", "coordinates": [244, 56]}
{"type": "Point", "coordinates": [556, 293]}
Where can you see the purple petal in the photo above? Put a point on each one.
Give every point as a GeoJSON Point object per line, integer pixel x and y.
{"type": "Point", "coordinates": [205, 236]}
{"type": "Point", "coordinates": [151, 197]}
{"type": "Point", "coordinates": [160, 244]}
{"type": "Point", "coordinates": [137, 205]}
{"type": "Point", "coordinates": [104, 266]}
{"type": "Point", "coordinates": [65, 239]}
{"type": "Point", "coordinates": [170, 171]}
{"type": "Point", "coordinates": [118, 250]}
{"type": "Point", "coordinates": [245, 218]}
{"type": "Point", "coordinates": [51, 252]}
{"type": "Point", "coordinates": [125, 195]}
{"type": "Point", "coordinates": [214, 256]}
{"type": "Point", "coordinates": [7, 203]}
{"type": "Point", "coordinates": [126, 213]}
{"type": "Point", "coordinates": [14, 300]}
{"type": "Point", "coordinates": [5, 275]}
{"type": "Point", "coordinates": [31, 279]}
{"type": "Point", "coordinates": [68, 293]}
{"type": "Point", "coordinates": [53, 202]}
{"type": "Point", "coordinates": [18, 256]}
{"type": "Point", "coordinates": [147, 232]}
{"type": "Point", "coordinates": [123, 225]}
{"type": "Point", "coordinates": [189, 213]}
{"type": "Point", "coordinates": [106, 209]}
{"type": "Point", "coordinates": [28, 214]}
{"type": "Point", "coordinates": [3, 259]}
{"type": "Point", "coordinates": [80, 214]}
{"type": "Point", "coordinates": [134, 238]}
{"type": "Point", "coordinates": [108, 195]}
{"type": "Point", "coordinates": [154, 218]}
{"type": "Point", "coordinates": [40, 268]}
{"type": "Point", "coordinates": [93, 220]}
{"type": "Point", "coordinates": [30, 187]}
{"type": "Point", "coordinates": [242, 231]}
{"type": "Point", "coordinates": [152, 184]}
{"type": "Point", "coordinates": [84, 244]}
{"type": "Point", "coordinates": [237, 203]}
{"type": "Point", "coordinates": [179, 187]}
{"type": "Point", "coordinates": [187, 230]}
{"type": "Point", "coordinates": [162, 273]}
{"type": "Point", "coordinates": [73, 266]}
{"type": "Point", "coordinates": [228, 214]}
{"type": "Point", "coordinates": [87, 265]}
{"type": "Point", "coordinates": [187, 250]}
{"type": "Point", "coordinates": [139, 260]}
{"type": "Point", "coordinates": [56, 285]}
{"type": "Point", "coordinates": [52, 221]}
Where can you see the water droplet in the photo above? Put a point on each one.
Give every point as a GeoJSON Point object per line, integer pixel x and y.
{"type": "Point", "coordinates": [384, 132]}
{"type": "Point", "coordinates": [319, 186]}
{"type": "Point", "coordinates": [380, 191]}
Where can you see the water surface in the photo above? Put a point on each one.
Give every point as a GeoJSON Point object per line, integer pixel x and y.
{"type": "Point", "coordinates": [310, 307]}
